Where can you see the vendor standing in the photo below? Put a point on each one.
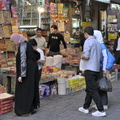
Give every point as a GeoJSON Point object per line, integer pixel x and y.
{"type": "Point", "coordinates": [42, 44]}
{"type": "Point", "coordinates": [55, 39]}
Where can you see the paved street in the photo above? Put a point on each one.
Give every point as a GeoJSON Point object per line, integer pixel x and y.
{"type": "Point", "coordinates": [66, 108]}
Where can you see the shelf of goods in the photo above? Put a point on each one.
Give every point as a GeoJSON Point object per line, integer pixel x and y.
{"type": "Point", "coordinates": [29, 16]}
{"type": "Point", "coordinates": [71, 56]}
{"type": "Point", "coordinates": [7, 49]}
{"type": "Point", "coordinates": [112, 30]}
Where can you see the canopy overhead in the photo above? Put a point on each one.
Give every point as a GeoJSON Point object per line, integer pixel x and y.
{"type": "Point", "coordinates": [115, 1]}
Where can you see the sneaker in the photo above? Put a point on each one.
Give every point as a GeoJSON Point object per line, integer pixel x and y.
{"type": "Point", "coordinates": [99, 114]}
{"type": "Point", "coordinates": [105, 107]}
{"type": "Point", "coordinates": [81, 109]}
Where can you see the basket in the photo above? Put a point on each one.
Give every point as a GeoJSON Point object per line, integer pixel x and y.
{"type": "Point", "coordinates": [2, 89]}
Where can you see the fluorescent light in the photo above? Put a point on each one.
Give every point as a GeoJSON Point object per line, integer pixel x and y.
{"type": "Point", "coordinates": [41, 9]}
{"type": "Point", "coordinates": [74, 18]}
{"type": "Point", "coordinates": [28, 26]}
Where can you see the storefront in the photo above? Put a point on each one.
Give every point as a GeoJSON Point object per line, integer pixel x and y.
{"type": "Point", "coordinates": [59, 74]}
{"type": "Point", "coordinates": [25, 21]}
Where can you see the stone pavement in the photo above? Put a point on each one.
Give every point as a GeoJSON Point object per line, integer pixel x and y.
{"type": "Point", "coordinates": [66, 108]}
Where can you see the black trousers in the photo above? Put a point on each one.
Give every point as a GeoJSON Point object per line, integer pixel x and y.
{"type": "Point", "coordinates": [91, 78]}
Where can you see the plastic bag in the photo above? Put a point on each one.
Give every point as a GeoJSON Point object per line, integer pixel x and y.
{"type": "Point", "coordinates": [82, 65]}
{"type": "Point", "coordinates": [105, 84]}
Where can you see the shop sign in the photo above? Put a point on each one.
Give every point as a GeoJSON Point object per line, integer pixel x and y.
{"type": "Point", "coordinates": [104, 1]}
{"type": "Point", "coordinates": [86, 24]}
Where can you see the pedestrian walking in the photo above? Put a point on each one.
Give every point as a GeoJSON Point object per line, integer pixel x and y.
{"type": "Point", "coordinates": [103, 71]}
{"type": "Point", "coordinates": [92, 56]}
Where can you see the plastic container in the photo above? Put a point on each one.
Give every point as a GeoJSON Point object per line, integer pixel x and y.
{"type": "Point", "coordinates": [61, 86]}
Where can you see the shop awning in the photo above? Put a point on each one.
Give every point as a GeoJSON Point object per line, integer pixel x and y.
{"type": "Point", "coordinates": [115, 1]}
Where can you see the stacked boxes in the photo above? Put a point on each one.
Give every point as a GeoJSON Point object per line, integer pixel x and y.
{"type": "Point", "coordinates": [6, 103]}
{"type": "Point", "coordinates": [72, 84]}
{"type": "Point", "coordinates": [76, 83]}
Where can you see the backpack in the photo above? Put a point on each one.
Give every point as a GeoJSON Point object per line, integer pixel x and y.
{"type": "Point", "coordinates": [111, 58]}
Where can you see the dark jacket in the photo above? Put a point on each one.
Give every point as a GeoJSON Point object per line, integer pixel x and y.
{"type": "Point", "coordinates": [115, 45]}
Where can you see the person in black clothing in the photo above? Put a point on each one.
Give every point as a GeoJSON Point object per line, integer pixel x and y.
{"type": "Point", "coordinates": [82, 40]}
{"type": "Point", "coordinates": [55, 39]}
{"type": "Point", "coordinates": [116, 49]}
{"type": "Point", "coordinates": [26, 97]}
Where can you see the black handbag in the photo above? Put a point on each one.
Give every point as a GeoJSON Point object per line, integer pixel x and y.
{"type": "Point", "coordinates": [105, 84]}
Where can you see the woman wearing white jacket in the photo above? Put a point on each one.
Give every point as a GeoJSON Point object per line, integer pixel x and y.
{"type": "Point", "coordinates": [103, 95]}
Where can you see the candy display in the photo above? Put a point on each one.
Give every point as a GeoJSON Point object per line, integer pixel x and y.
{"type": "Point", "coordinates": [7, 29]}
{"type": "Point", "coordinates": [6, 16]}
{"type": "Point", "coordinates": [9, 45]}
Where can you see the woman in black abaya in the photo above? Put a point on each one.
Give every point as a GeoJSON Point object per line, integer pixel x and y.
{"type": "Point", "coordinates": [26, 98]}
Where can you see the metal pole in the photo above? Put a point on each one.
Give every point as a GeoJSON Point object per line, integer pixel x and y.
{"type": "Point", "coordinates": [39, 19]}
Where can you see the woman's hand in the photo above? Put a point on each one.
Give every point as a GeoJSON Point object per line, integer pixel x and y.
{"type": "Point", "coordinates": [104, 73]}
{"type": "Point", "coordinates": [20, 79]}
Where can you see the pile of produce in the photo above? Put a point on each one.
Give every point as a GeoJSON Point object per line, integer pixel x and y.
{"type": "Point", "coordinates": [63, 74]}
{"type": "Point", "coordinates": [49, 69]}
{"type": "Point", "coordinates": [73, 52]}
{"type": "Point", "coordinates": [71, 55]}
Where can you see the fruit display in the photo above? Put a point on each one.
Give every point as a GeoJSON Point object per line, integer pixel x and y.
{"type": "Point", "coordinates": [50, 69]}
{"type": "Point", "coordinates": [50, 73]}
{"type": "Point", "coordinates": [71, 56]}
{"type": "Point", "coordinates": [71, 60]}
{"type": "Point", "coordinates": [73, 52]}
{"type": "Point", "coordinates": [63, 74]}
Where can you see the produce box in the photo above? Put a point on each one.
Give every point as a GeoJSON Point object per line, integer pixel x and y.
{"type": "Point", "coordinates": [5, 111]}
{"type": "Point", "coordinates": [76, 83]}
{"type": "Point", "coordinates": [6, 103]}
